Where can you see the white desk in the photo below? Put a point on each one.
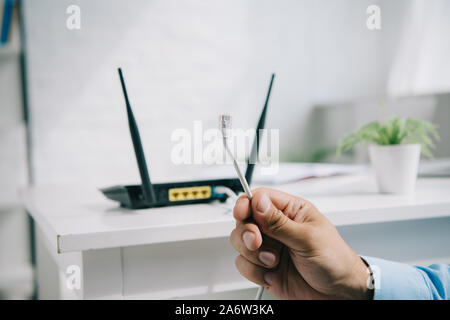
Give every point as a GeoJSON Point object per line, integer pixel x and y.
{"type": "Point", "coordinates": [184, 251]}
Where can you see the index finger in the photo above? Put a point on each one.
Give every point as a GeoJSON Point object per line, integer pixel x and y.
{"type": "Point", "coordinates": [242, 209]}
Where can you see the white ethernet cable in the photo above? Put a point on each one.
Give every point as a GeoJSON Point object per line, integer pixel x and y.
{"type": "Point", "coordinates": [225, 190]}
{"type": "Point", "coordinates": [225, 126]}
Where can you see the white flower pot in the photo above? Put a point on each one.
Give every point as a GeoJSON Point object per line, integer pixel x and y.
{"type": "Point", "coordinates": [395, 167]}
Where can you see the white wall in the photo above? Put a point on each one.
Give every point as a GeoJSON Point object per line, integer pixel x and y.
{"type": "Point", "coordinates": [191, 60]}
{"type": "Point", "coordinates": [184, 61]}
{"type": "Point", "coordinates": [420, 64]}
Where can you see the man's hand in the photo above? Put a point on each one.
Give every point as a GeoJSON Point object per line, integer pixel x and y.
{"type": "Point", "coordinates": [289, 247]}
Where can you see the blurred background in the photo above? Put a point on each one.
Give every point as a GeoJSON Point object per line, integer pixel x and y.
{"type": "Point", "coordinates": [62, 117]}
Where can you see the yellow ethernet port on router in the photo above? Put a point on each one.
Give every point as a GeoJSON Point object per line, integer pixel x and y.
{"type": "Point", "coordinates": [189, 193]}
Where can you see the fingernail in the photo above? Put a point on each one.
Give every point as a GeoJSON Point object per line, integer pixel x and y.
{"type": "Point", "coordinates": [269, 278]}
{"type": "Point", "coordinates": [263, 204]}
{"type": "Point", "coordinates": [248, 238]}
{"type": "Point", "coordinates": [267, 258]}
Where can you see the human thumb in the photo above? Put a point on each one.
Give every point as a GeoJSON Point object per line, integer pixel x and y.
{"type": "Point", "coordinates": [276, 223]}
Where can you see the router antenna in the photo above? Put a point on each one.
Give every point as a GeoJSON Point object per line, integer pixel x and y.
{"type": "Point", "coordinates": [147, 188]}
{"type": "Point", "coordinates": [255, 147]}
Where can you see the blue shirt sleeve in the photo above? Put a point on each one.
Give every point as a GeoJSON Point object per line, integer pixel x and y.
{"type": "Point", "coordinates": [394, 280]}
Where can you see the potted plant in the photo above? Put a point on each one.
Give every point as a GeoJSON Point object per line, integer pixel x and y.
{"type": "Point", "coordinates": [394, 150]}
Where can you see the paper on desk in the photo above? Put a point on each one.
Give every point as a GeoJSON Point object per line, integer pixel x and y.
{"type": "Point", "coordinates": [287, 172]}
{"type": "Point", "coordinates": [290, 172]}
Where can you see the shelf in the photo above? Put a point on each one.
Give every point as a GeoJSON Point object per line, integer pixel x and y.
{"type": "Point", "coordinates": [11, 206]}
{"type": "Point", "coordinates": [17, 283]}
{"type": "Point", "coordinates": [9, 51]}
{"type": "Point", "coordinates": [180, 293]}
{"type": "Point", "coordinates": [80, 218]}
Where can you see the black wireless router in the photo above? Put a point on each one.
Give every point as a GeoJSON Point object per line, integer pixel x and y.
{"type": "Point", "coordinates": [148, 195]}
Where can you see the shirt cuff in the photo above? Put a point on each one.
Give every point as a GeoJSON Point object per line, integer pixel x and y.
{"type": "Point", "coordinates": [394, 280]}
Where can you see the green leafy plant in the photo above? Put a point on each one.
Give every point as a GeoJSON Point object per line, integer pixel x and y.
{"type": "Point", "coordinates": [395, 131]}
